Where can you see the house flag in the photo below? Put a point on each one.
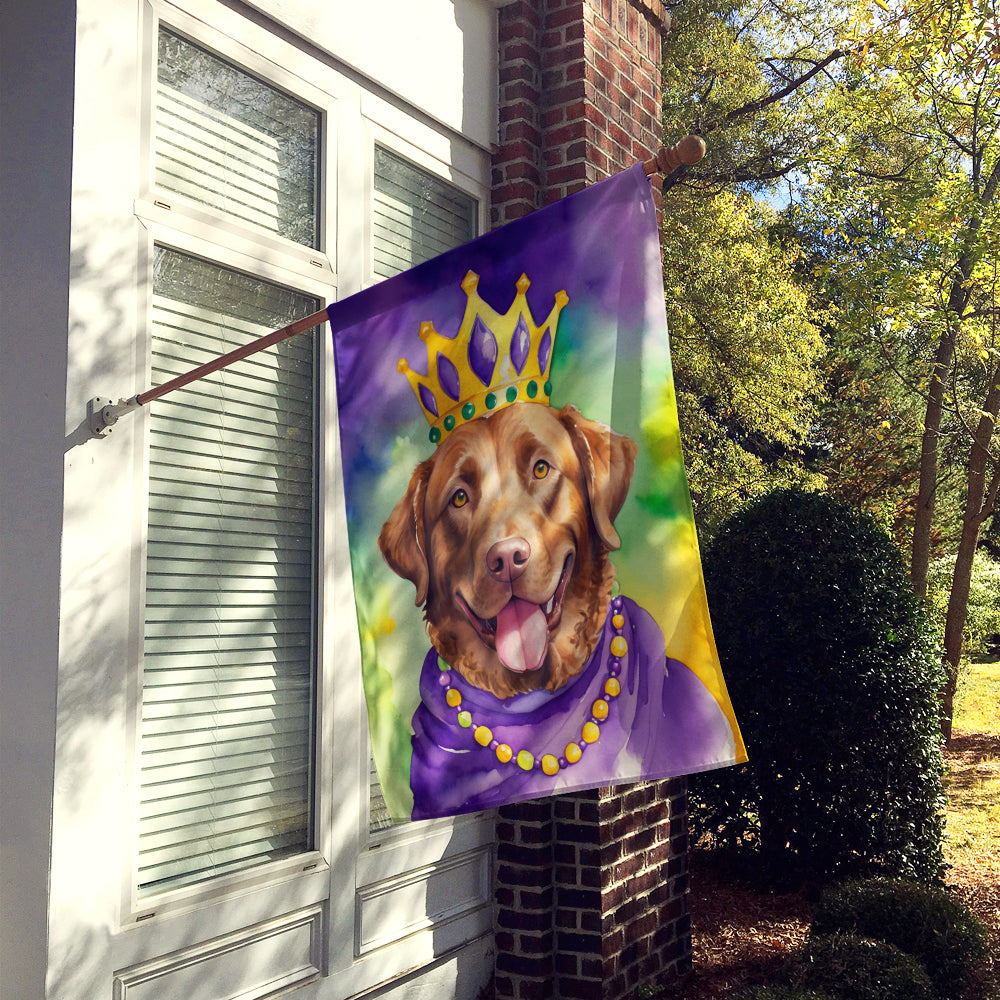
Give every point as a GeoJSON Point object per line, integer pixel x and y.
{"type": "Point", "coordinates": [529, 592]}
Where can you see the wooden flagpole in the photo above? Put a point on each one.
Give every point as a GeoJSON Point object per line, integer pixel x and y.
{"type": "Point", "coordinates": [102, 413]}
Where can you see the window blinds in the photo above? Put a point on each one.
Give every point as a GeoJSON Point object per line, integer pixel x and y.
{"type": "Point", "coordinates": [227, 681]}
{"type": "Point", "coordinates": [230, 141]}
{"type": "Point", "coordinates": [416, 216]}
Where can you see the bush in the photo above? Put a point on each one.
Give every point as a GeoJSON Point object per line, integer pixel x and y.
{"type": "Point", "coordinates": [925, 922]}
{"type": "Point", "coordinates": [833, 674]}
{"type": "Point", "coordinates": [856, 968]}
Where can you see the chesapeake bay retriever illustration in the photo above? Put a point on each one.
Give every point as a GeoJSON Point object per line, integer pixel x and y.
{"type": "Point", "coordinates": [505, 533]}
{"type": "Point", "coordinates": [539, 678]}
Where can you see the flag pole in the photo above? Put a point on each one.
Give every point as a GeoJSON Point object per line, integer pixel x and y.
{"type": "Point", "coordinates": [103, 414]}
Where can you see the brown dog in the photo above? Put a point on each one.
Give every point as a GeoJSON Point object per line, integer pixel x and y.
{"type": "Point", "coordinates": [505, 533]}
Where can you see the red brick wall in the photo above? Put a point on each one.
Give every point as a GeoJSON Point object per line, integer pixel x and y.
{"type": "Point", "coordinates": [579, 96]}
{"type": "Point", "coordinates": [591, 889]}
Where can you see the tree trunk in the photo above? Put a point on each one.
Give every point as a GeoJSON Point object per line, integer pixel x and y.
{"type": "Point", "coordinates": [920, 553]}
{"type": "Point", "coordinates": [958, 299]}
{"type": "Point", "coordinates": [979, 501]}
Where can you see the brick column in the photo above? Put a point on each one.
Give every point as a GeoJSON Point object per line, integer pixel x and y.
{"type": "Point", "coordinates": [591, 889]}
{"type": "Point", "coordinates": [579, 96]}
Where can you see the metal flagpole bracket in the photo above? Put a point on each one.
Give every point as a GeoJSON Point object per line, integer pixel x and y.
{"type": "Point", "coordinates": [103, 413]}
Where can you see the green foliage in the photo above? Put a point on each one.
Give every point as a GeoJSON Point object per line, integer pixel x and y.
{"type": "Point", "coordinates": [983, 613]}
{"type": "Point", "coordinates": [926, 922]}
{"type": "Point", "coordinates": [857, 968]}
{"type": "Point", "coordinates": [746, 355]}
{"type": "Point", "coordinates": [833, 675]}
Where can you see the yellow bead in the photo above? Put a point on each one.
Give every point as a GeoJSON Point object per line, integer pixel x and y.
{"type": "Point", "coordinates": [599, 710]}
{"type": "Point", "coordinates": [590, 732]}
{"type": "Point", "coordinates": [453, 697]}
{"type": "Point", "coordinates": [550, 764]}
{"type": "Point", "coordinates": [618, 621]}
{"type": "Point", "coordinates": [572, 753]}
{"type": "Point", "coordinates": [525, 761]}
{"type": "Point", "coordinates": [483, 736]}
{"type": "Point", "coordinates": [612, 688]}
{"type": "Point", "coordinates": [504, 753]}
{"type": "Point", "coordinates": [619, 647]}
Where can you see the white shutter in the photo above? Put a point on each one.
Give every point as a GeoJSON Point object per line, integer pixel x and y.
{"type": "Point", "coordinates": [228, 660]}
{"type": "Point", "coordinates": [416, 216]}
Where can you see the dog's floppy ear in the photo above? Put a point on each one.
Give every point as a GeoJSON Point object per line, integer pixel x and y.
{"type": "Point", "coordinates": [608, 461]}
{"type": "Point", "coordinates": [402, 536]}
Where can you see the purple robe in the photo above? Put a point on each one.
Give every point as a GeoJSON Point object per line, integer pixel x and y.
{"type": "Point", "coordinates": [662, 722]}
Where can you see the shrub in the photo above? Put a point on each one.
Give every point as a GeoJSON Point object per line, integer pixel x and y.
{"type": "Point", "coordinates": [856, 968]}
{"type": "Point", "coordinates": [926, 922]}
{"type": "Point", "coordinates": [833, 674]}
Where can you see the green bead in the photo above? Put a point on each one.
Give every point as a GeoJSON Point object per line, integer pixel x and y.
{"type": "Point", "coordinates": [465, 719]}
{"type": "Point", "coordinates": [511, 393]}
{"type": "Point", "coordinates": [435, 435]}
{"type": "Point", "coordinates": [449, 422]}
{"type": "Point", "coordinates": [525, 760]}
{"type": "Point", "coordinates": [532, 389]}
{"type": "Point", "coordinates": [491, 400]}
{"type": "Point", "coordinates": [469, 411]}
{"type": "Point", "coordinates": [442, 665]}
{"type": "Point", "coordinates": [547, 388]}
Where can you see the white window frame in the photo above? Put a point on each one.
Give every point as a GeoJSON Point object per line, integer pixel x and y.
{"type": "Point", "coordinates": [180, 224]}
{"type": "Point", "coordinates": [350, 873]}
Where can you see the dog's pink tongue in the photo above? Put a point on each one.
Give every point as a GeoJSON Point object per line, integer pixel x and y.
{"type": "Point", "coordinates": [522, 636]}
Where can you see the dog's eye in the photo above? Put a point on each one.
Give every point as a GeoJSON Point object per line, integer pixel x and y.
{"type": "Point", "coordinates": [541, 469]}
{"type": "Point", "coordinates": [459, 498]}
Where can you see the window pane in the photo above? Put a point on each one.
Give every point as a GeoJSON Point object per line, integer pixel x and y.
{"type": "Point", "coordinates": [416, 217]}
{"type": "Point", "coordinates": [228, 676]}
{"type": "Point", "coordinates": [228, 140]}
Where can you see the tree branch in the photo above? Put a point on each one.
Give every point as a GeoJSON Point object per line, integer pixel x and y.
{"type": "Point", "coordinates": [754, 106]}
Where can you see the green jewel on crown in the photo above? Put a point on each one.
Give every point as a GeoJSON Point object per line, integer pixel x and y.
{"type": "Point", "coordinates": [493, 361]}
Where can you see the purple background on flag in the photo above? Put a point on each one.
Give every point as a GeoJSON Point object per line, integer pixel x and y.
{"type": "Point", "coordinates": [375, 328]}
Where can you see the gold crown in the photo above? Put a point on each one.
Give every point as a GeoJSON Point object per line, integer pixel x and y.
{"type": "Point", "coordinates": [492, 362]}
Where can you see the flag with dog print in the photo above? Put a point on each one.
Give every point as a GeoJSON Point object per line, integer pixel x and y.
{"type": "Point", "coordinates": [530, 603]}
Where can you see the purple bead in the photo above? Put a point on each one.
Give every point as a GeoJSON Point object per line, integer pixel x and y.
{"type": "Point", "coordinates": [615, 668]}
{"type": "Point", "coordinates": [520, 345]}
{"type": "Point", "coordinates": [582, 745]}
{"type": "Point", "coordinates": [482, 352]}
{"type": "Point", "coordinates": [617, 604]}
{"type": "Point", "coordinates": [494, 744]}
{"type": "Point", "coordinates": [563, 762]}
{"type": "Point", "coordinates": [538, 764]}
{"type": "Point", "coordinates": [444, 678]}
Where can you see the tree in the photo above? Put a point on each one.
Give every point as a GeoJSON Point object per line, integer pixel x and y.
{"type": "Point", "coordinates": [747, 357]}
{"type": "Point", "coordinates": [912, 184]}
{"type": "Point", "coordinates": [747, 352]}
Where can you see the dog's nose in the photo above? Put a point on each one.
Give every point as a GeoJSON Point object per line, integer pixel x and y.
{"type": "Point", "coordinates": [508, 559]}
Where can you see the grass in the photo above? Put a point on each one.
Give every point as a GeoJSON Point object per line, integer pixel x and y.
{"type": "Point", "coordinates": [973, 783]}
{"type": "Point", "coordinates": [978, 698]}
{"type": "Point", "coordinates": [972, 848]}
